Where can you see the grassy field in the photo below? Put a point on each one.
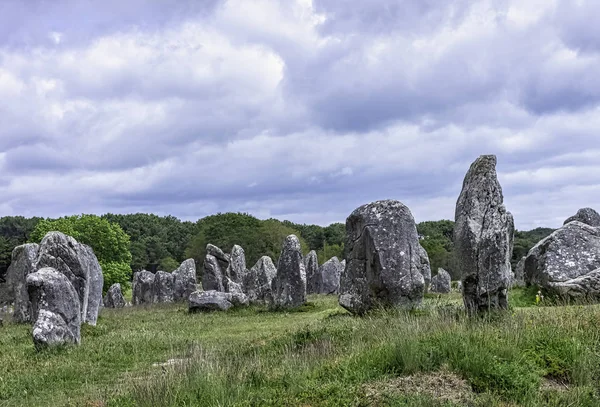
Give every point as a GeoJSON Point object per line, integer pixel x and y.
{"type": "Point", "coordinates": [316, 356]}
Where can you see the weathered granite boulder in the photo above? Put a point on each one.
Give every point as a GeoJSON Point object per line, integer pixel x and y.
{"type": "Point", "coordinates": [114, 297]}
{"type": "Point", "coordinates": [329, 276]}
{"type": "Point", "coordinates": [289, 285]}
{"type": "Point", "coordinates": [518, 277]}
{"type": "Point", "coordinates": [212, 278]}
{"type": "Point", "coordinates": [206, 301]}
{"type": "Point", "coordinates": [54, 308]}
{"type": "Point", "coordinates": [384, 259]}
{"type": "Point", "coordinates": [142, 288]}
{"type": "Point", "coordinates": [237, 296]}
{"type": "Point", "coordinates": [79, 263]}
{"type": "Point", "coordinates": [483, 238]}
{"type": "Point", "coordinates": [311, 265]}
{"type": "Point", "coordinates": [220, 255]}
{"type": "Point", "coordinates": [343, 264]}
{"type": "Point", "coordinates": [257, 283]}
{"type": "Point", "coordinates": [163, 287]}
{"type": "Point", "coordinates": [22, 264]}
{"type": "Point", "coordinates": [586, 215]}
{"type": "Point", "coordinates": [425, 267]}
{"type": "Point", "coordinates": [566, 260]}
{"type": "Point", "coordinates": [237, 267]}
{"type": "Point", "coordinates": [586, 287]}
{"type": "Point", "coordinates": [441, 282]}
{"type": "Point", "coordinates": [184, 280]}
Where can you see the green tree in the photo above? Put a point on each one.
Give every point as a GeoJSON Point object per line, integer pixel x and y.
{"type": "Point", "coordinates": [168, 264]}
{"type": "Point", "coordinates": [109, 242]}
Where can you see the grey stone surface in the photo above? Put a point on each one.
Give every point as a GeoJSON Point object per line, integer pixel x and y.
{"type": "Point", "coordinates": [79, 263]}
{"type": "Point", "coordinates": [143, 288]}
{"type": "Point", "coordinates": [586, 215]}
{"type": "Point", "coordinates": [483, 238]}
{"type": "Point", "coordinates": [425, 267]}
{"type": "Point", "coordinates": [329, 276]}
{"type": "Point", "coordinates": [518, 277]}
{"type": "Point", "coordinates": [54, 308]}
{"type": "Point", "coordinates": [114, 297]}
{"type": "Point", "coordinates": [257, 283]}
{"type": "Point", "coordinates": [311, 265]}
{"type": "Point", "coordinates": [22, 264]}
{"type": "Point", "coordinates": [441, 282]}
{"type": "Point", "coordinates": [220, 255]}
{"type": "Point", "coordinates": [212, 277]}
{"type": "Point", "coordinates": [562, 261]}
{"type": "Point", "coordinates": [586, 287]}
{"type": "Point", "coordinates": [185, 280]}
{"type": "Point", "coordinates": [237, 267]}
{"type": "Point", "coordinates": [384, 258]}
{"type": "Point", "coordinates": [163, 287]}
{"type": "Point", "coordinates": [289, 285]}
{"type": "Point", "coordinates": [206, 301]}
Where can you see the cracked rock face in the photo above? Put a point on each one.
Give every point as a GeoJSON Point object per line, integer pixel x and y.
{"type": "Point", "coordinates": [483, 238]}
{"type": "Point", "coordinates": [586, 215]}
{"type": "Point", "coordinates": [212, 278]}
{"type": "Point", "coordinates": [55, 308]}
{"type": "Point", "coordinates": [163, 287]}
{"type": "Point", "coordinates": [567, 261]}
{"type": "Point", "coordinates": [383, 257]}
{"type": "Point", "coordinates": [22, 264]}
{"type": "Point", "coordinates": [237, 266]}
{"type": "Point", "coordinates": [441, 282]}
{"type": "Point", "coordinates": [289, 285]}
{"type": "Point", "coordinates": [184, 280]}
{"type": "Point", "coordinates": [142, 288]}
{"type": "Point", "coordinates": [329, 276]}
{"type": "Point", "coordinates": [114, 297]}
{"type": "Point", "coordinates": [80, 265]}
{"type": "Point", "coordinates": [311, 265]}
{"type": "Point", "coordinates": [257, 283]}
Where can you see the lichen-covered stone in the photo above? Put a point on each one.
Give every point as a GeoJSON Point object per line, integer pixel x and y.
{"type": "Point", "coordinates": [143, 288]}
{"type": "Point", "coordinates": [289, 285]}
{"type": "Point", "coordinates": [206, 301]}
{"type": "Point", "coordinates": [257, 283]}
{"type": "Point", "coordinates": [383, 258]}
{"type": "Point", "coordinates": [441, 282]}
{"type": "Point", "coordinates": [114, 297]}
{"type": "Point", "coordinates": [311, 265]}
{"type": "Point", "coordinates": [483, 238]}
{"type": "Point", "coordinates": [329, 277]}
{"type": "Point", "coordinates": [79, 263]}
{"type": "Point", "coordinates": [586, 215]}
{"type": "Point", "coordinates": [163, 287]}
{"type": "Point", "coordinates": [185, 280]}
{"type": "Point", "coordinates": [22, 264]}
{"type": "Point", "coordinates": [55, 308]}
{"type": "Point", "coordinates": [237, 267]}
{"type": "Point", "coordinates": [212, 277]}
{"type": "Point", "coordinates": [425, 267]}
{"type": "Point", "coordinates": [518, 277]}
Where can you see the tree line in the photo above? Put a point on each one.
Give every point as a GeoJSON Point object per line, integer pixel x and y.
{"type": "Point", "coordinates": [133, 242]}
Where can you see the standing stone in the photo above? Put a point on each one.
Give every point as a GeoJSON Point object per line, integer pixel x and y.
{"type": "Point", "coordinates": [441, 282]}
{"type": "Point", "coordinates": [79, 263]}
{"type": "Point", "coordinates": [311, 265]}
{"type": "Point", "coordinates": [142, 288]}
{"type": "Point", "coordinates": [425, 267]}
{"type": "Point", "coordinates": [220, 255]}
{"type": "Point", "coordinates": [329, 276]}
{"type": "Point", "coordinates": [114, 297]}
{"type": "Point", "coordinates": [22, 264]}
{"type": "Point", "coordinates": [257, 283]}
{"type": "Point", "coordinates": [483, 238]}
{"type": "Point", "coordinates": [564, 262]}
{"type": "Point", "coordinates": [163, 287]}
{"type": "Point", "coordinates": [289, 285]}
{"type": "Point", "coordinates": [212, 278]}
{"type": "Point", "coordinates": [384, 260]}
{"type": "Point", "coordinates": [54, 308]}
{"type": "Point", "coordinates": [184, 280]}
{"type": "Point", "coordinates": [586, 215]}
{"type": "Point", "coordinates": [343, 264]}
{"type": "Point", "coordinates": [237, 267]}
{"type": "Point", "coordinates": [519, 274]}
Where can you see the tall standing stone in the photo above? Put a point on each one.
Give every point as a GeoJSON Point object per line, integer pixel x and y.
{"type": "Point", "coordinates": [586, 215]}
{"type": "Point", "coordinates": [289, 285]}
{"type": "Point", "coordinates": [185, 280]}
{"type": "Point", "coordinates": [237, 267]}
{"type": "Point", "coordinates": [163, 287]}
{"type": "Point", "coordinates": [80, 265]}
{"type": "Point", "coordinates": [329, 277]}
{"type": "Point", "coordinates": [425, 266]}
{"type": "Point", "coordinates": [483, 238]}
{"type": "Point", "coordinates": [441, 282]}
{"type": "Point", "coordinates": [257, 283]}
{"type": "Point", "coordinates": [142, 288]}
{"type": "Point", "coordinates": [212, 277]}
{"type": "Point", "coordinates": [22, 264]}
{"type": "Point", "coordinates": [54, 308]}
{"type": "Point", "coordinates": [220, 255]}
{"type": "Point", "coordinates": [383, 258]}
{"type": "Point", "coordinates": [311, 264]}
{"type": "Point", "coordinates": [114, 297]}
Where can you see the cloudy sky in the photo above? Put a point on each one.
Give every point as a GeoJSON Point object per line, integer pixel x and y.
{"type": "Point", "coordinates": [297, 109]}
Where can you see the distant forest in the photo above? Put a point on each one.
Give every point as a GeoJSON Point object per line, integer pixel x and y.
{"type": "Point", "coordinates": [162, 243]}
